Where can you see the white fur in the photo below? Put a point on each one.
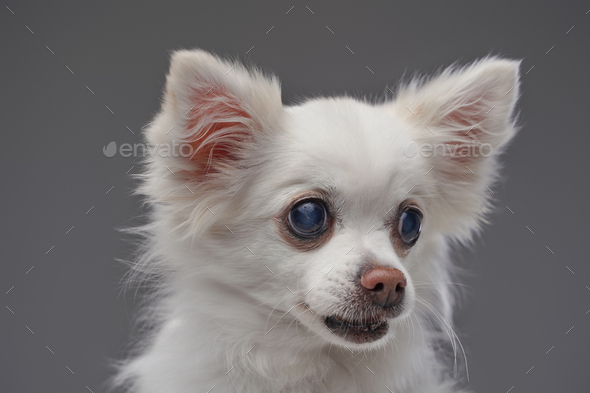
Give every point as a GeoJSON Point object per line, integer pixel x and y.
{"type": "Point", "coordinates": [223, 276]}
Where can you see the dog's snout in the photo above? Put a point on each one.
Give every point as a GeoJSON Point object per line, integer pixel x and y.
{"type": "Point", "coordinates": [384, 285]}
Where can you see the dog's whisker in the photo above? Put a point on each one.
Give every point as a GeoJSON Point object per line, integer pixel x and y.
{"type": "Point", "coordinates": [270, 314]}
{"type": "Point", "coordinates": [444, 324]}
{"type": "Point", "coordinates": [456, 337]}
{"type": "Point", "coordinates": [418, 283]}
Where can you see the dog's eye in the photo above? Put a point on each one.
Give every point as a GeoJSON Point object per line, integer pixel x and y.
{"type": "Point", "coordinates": [308, 218]}
{"type": "Point", "coordinates": [410, 224]}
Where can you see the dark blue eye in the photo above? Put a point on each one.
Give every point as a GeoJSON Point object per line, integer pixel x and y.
{"type": "Point", "coordinates": [410, 224]}
{"type": "Point", "coordinates": [308, 218]}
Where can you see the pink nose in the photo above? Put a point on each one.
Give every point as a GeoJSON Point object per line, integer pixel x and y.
{"type": "Point", "coordinates": [384, 285]}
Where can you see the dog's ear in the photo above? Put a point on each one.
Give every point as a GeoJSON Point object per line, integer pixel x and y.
{"type": "Point", "coordinates": [212, 113]}
{"type": "Point", "coordinates": [464, 117]}
{"type": "Point", "coordinates": [206, 142]}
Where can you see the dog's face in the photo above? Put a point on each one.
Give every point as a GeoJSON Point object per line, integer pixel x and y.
{"type": "Point", "coordinates": [346, 219]}
{"type": "Point", "coordinates": [336, 212]}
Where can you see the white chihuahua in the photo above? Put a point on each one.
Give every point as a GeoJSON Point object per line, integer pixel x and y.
{"type": "Point", "coordinates": [306, 248]}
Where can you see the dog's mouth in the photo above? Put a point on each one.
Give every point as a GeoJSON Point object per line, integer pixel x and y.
{"type": "Point", "coordinates": [358, 332]}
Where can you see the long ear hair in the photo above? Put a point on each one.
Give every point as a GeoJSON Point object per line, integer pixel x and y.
{"type": "Point", "coordinates": [469, 113]}
{"type": "Point", "coordinates": [214, 114]}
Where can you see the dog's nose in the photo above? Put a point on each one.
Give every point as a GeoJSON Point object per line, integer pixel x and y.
{"type": "Point", "coordinates": [384, 285]}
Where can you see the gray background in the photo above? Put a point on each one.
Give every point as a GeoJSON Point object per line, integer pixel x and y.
{"type": "Point", "coordinates": [523, 299]}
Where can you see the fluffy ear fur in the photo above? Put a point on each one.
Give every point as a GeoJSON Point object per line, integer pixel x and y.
{"type": "Point", "coordinates": [217, 108]}
{"type": "Point", "coordinates": [214, 115]}
{"type": "Point", "coordinates": [461, 120]}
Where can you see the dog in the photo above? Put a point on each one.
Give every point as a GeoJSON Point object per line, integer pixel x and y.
{"type": "Point", "coordinates": [307, 248]}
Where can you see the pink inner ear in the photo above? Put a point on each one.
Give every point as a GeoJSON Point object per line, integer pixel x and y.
{"type": "Point", "coordinates": [467, 122]}
{"type": "Point", "coordinates": [219, 135]}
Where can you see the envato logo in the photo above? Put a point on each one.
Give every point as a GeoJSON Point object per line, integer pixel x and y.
{"type": "Point", "coordinates": [146, 150]}
{"type": "Point", "coordinates": [448, 150]}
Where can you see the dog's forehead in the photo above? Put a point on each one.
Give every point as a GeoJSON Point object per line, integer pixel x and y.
{"type": "Point", "coordinates": [355, 147]}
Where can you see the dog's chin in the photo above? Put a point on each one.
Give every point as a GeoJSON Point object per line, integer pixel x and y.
{"type": "Point", "coordinates": [357, 332]}
{"type": "Point", "coordinates": [360, 333]}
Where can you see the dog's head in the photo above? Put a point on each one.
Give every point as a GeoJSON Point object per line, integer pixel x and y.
{"type": "Point", "coordinates": [336, 211]}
